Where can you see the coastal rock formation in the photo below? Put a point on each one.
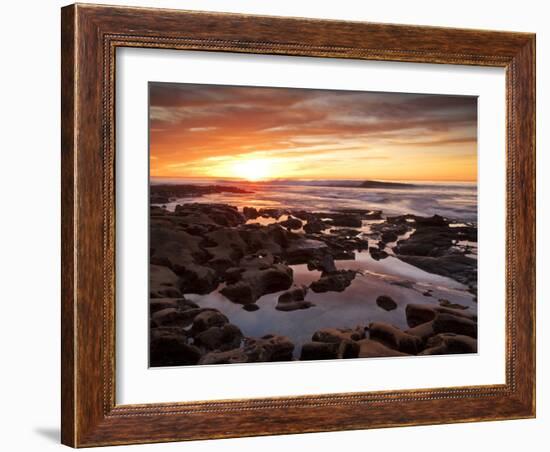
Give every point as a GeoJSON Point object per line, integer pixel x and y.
{"type": "Point", "coordinates": [293, 299]}
{"type": "Point", "coordinates": [335, 282]}
{"type": "Point", "coordinates": [387, 303]}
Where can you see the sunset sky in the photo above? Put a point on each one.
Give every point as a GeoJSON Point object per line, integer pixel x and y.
{"type": "Point", "coordinates": [282, 133]}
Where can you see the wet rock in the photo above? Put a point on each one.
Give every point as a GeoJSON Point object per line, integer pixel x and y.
{"type": "Point", "coordinates": [195, 278]}
{"type": "Point", "coordinates": [208, 319]}
{"type": "Point", "coordinates": [272, 213]}
{"type": "Point", "coordinates": [324, 264]}
{"type": "Point", "coordinates": [386, 302]}
{"type": "Point", "coordinates": [255, 283]}
{"type": "Point", "coordinates": [458, 267]}
{"type": "Point", "coordinates": [170, 317]}
{"type": "Point", "coordinates": [291, 223]}
{"type": "Point", "coordinates": [395, 338]}
{"type": "Point", "coordinates": [305, 250]}
{"type": "Point", "coordinates": [158, 304]}
{"type": "Point", "coordinates": [294, 305]}
{"type": "Point", "coordinates": [424, 331]}
{"type": "Point", "coordinates": [447, 323]}
{"type": "Point", "coordinates": [377, 254]}
{"type": "Point", "coordinates": [294, 294]}
{"type": "Point", "coordinates": [369, 348]}
{"type": "Point", "coordinates": [250, 213]}
{"type": "Point", "coordinates": [251, 307]}
{"type": "Point", "coordinates": [273, 238]}
{"type": "Point", "coordinates": [163, 282]}
{"type": "Point", "coordinates": [293, 300]}
{"type": "Point", "coordinates": [389, 236]}
{"type": "Point", "coordinates": [260, 260]}
{"type": "Point", "coordinates": [345, 219]}
{"type": "Point", "coordinates": [216, 214]}
{"type": "Point", "coordinates": [269, 348]}
{"type": "Point", "coordinates": [169, 348]}
{"type": "Point", "coordinates": [334, 282]}
{"type": "Point", "coordinates": [422, 313]}
{"type": "Point", "coordinates": [225, 337]}
{"type": "Point", "coordinates": [346, 232]}
{"type": "Point", "coordinates": [234, 356]}
{"type": "Point", "coordinates": [329, 350]}
{"type": "Point", "coordinates": [319, 350]}
{"type": "Point", "coordinates": [228, 248]}
{"type": "Point", "coordinates": [315, 226]}
{"type": "Point", "coordinates": [449, 343]}
{"type": "Point", "coordinates": [338, 335]}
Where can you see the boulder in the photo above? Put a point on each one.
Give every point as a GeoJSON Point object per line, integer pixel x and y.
{"type": "Point", "coordinates": [255, 283]}
{"type": "Point", "coordinates": [319, 350]}
{"type": "Point", "coordinates": [421, 313]}
{"type": "Point", "coordinates": [250, 213]}
{"type": "Point", "coordinates": [447, 323]}
{"type": "Point", "coordinates": [293, 300]}
{"type": "Point", "coordinates": [291, 223]}
{"type": "Point", "coordinates": [314, 226]}
{"type": "Point", "coordinates": [337, 335]}
{"type": "Point", "coordinates": [333, 282]}
{"type": "Point", "coordinates": [369, 348]}
{"type": "Point", "coordinates": [395, 338]}
{"type": "Point", "coordinates": [324, 264]}
{"type": "Point", "coordinates": [163, 282]}
{"type": "Point", "coordinates": [269, 348]}
{"type": "Point", "coordinates": [386, 302]}
{"type": "Point", "coordinates": [169, 348]}
{"type": "Point", "coordinates": [449, 343]}
{"type": "Point", "coordinates": [195, 278]}
{"type": "Point", "coordinates": [208, 319]}
{"type": "Point", "coordinates": [225, 337]}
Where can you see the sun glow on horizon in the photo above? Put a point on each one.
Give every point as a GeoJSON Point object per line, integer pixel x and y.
{"type": "Point", "coordinates": [253, 170]}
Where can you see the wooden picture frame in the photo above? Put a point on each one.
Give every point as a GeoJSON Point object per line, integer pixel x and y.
{"type": "Point", "coordinates": [90, 36]}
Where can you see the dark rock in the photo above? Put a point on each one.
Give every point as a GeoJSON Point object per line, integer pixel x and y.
{"type": "Point", "coordinates": [334, 282]}
{"type": "Point", "coordinates": [377, 254]}
{"type": "Point", "coordinates": [324, 264]}
{"type": "Point", "coordinates": [251, 307]}
{"type": "Point", "coordinates": [395, 338]}
{"type": "Point", "coordinates": [293, 300]}
{"type": "Point", "coordinates": [387, 303]}
{"type": "Point", "coordinates": [196, 278]}
{"type": "Point", "coordinates": [255, 283]}
{"type": "Point", "coordinates": [158, 304]}
{"type": "Point", "coordinates": [163, 282]}
{"type": "Point", "coordinates": [314, 226]}
{"type": "Point", "coordinates": [305, 250]}
{"type": "Point", "coordinates": [294, 294]}
{"type": "Point", "coordinates": [269, 348]}
{"type": "Point", "coordinates": [272, 213]}
{"type": "Point", "coordinates": [447, 323]}
{"type": "Point", "coordinates": [329, 350]}
{"type": "Point", "coordinates": [225, 337]}
{"type": "Point", "coordinates": [338, 334]}
{"type": "Point", "coordinates": [319, 350]}
{"type": "Point", "coordinates": [291, 223]}
{"type": "Point", "coordinates": [294, 305]}
{"type": "Point", "coordinates": [422, 313]}
{"type": "Point", "coordinates": [250, 213]}
{"type": "Point", "coordinates": [208, 319]}
{"type": "Point", "coordinates": [168, 348]}
{"type": "Point", "coordinates": [344, 219]}
{"type": "Point", "coordinates": [449, 343]}
{"type": "Point", "coordinates": [389, 236]}
{"type": "Point", "coordinates": [369, 348]}
{"type": "Point", "coordinates": [234, 356]}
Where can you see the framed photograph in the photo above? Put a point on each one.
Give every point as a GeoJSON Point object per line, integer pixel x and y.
{"type": "Point", "coordinates": [282, 225]}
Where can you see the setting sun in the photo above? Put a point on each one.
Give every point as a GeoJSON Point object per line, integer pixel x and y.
{"type": "Point", "coordinates": [252, 169]}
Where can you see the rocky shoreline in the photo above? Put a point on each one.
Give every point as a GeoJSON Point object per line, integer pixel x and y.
{"type": "Point", "coordinates": [245, 254]}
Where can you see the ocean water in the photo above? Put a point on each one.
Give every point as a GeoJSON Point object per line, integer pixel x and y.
{"type": "Point", "coordinates": [457, 200]}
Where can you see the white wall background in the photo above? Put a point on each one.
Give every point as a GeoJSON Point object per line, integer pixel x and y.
{"type": "Point", "coordinates": [30, 186]}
